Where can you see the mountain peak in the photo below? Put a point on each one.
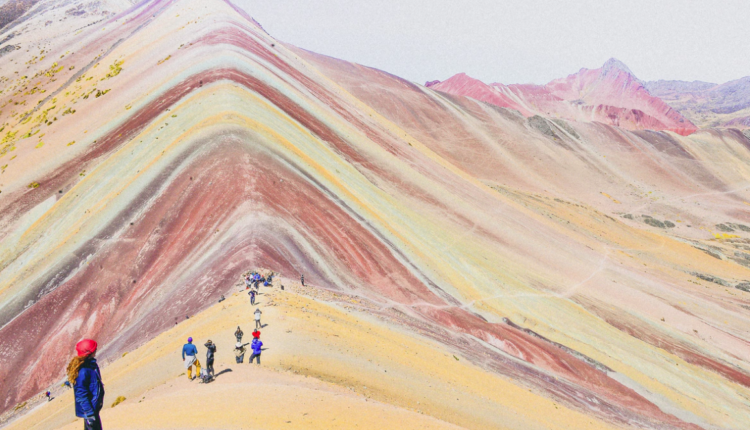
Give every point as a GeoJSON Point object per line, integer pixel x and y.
{"type": "Point", "coordinates": [615, 64]}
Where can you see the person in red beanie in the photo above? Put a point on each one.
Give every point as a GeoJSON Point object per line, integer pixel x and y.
{"type": "Point", "coordinates": [84, 374]}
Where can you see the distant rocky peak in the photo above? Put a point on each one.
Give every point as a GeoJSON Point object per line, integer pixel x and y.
{"type": "Point", "coordinates": [613, 64]}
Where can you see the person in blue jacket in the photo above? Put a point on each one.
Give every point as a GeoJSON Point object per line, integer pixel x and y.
{"type": "Point", "coordinates": [191, 352]}
{"type": "Point", "coordinates": [84, 375]}
{"type": "Point", "coordinates": [255, 346]}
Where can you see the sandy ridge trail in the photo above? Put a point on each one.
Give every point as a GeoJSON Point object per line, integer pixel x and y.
{"type": "Point", "coordinates": [326, 366]}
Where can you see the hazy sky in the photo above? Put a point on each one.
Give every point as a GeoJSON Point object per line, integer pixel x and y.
{"type": "Point", "coordinates": [520, 41]}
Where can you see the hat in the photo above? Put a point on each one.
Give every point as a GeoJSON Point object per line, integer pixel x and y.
{"type": "Point", "coordinates": [238, 345]}
{"type": "Point", "coordinates": [190, 339]}
{"type": "Point", "coordinates": [86, 347]}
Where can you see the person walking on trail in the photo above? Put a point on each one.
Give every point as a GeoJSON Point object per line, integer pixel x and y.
{"type": "Point", "coordinates": [252, 297]}
{"type": "Point", "coordinates": [239, 351]}
{"type": "Point", "coordinates": [190, 356]}
{"type": "Point", "coordinates": [255, 346]}
{"type": "Point", "coordinates": [210, 351]}
{"type": "Point", "coordinates": [88, 389]}
{"type": "Point", "coordinates": [302, 280]}
{"type": "Point", "coordinates": [48, 395]}
{"type": "Point", "coordinates": [238, 334]}
{"type": "Point", "coordinates": [256, 334]}
{"type": "Point", "coordinates": [248, 283]}
{"type": "Point", "coordinates": [257, 318]}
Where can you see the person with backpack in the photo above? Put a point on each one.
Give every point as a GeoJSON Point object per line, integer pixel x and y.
{"type": "Point", "coordinates": [83, 373]}
{"type": "Point", "coordinates": [48, 395]}
{"type": "Point", "coordinates": [252, 297]}
{"type": "Point", "coordinates": [255, 346]}
{"type": "Point", "coordinates": [257, 318]}
{"type": "Point", "coordinates": [190, 356]}
{"type": "Point", "coordinates": [239, 351]}
{"type": "Point", "coordinates": [210, 351]}
{"type": "Point", "coordinates": [238, 334]}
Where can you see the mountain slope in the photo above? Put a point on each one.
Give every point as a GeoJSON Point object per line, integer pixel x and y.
{"type": "Point", "coordinates": [330, 363]}
{"type": "Point", "coordinates": [179, 145]}
{"type": "Point", "coordinates": [709, 105]}
{"type": "Point", "coordinates": [611, 95]}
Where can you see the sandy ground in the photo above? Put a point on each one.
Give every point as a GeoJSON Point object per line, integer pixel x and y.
{"type": "Point", "coordinates": [324, 367]}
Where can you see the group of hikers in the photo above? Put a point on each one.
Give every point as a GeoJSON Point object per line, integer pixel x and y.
{"type": "Point", "coordinates": [84, 377]}
{"type": "Point", "coordinates": [190, 354]}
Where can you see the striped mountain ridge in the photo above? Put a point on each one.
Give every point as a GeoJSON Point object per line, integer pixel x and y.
{"type": "Point", "coordinates": [151, 157]}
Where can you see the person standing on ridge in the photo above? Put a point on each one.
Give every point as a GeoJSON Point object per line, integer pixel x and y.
{"type": "Point", "coordinates": [255, 346]}
{"type": "Point", "coordinates": [252, 297]}
{"type": "Point", "coordinates": [238, 334]}
{"type": "Point", "coordinates": [239, 351]}
{"type": "Point", "coordinates": [210, 351]}
{"type": "Point", "coordinates": [191, 352]}
{"type": "Point", "coordinates": [257, 318]}
{"type": "Point", "coordinates": [302, 279]}
{"type": "Point", "coordinates": [88, 389]}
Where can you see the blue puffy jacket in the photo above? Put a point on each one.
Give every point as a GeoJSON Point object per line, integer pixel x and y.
{"type": "Point", "coordinates": [256, 346]}
{"type": "Point", "coordinates": [189, 349]}
{"type": "Point", "coordinates": [89, 390]}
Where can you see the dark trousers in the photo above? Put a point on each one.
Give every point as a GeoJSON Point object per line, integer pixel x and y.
{"type": "Point", "coordinates": [210, 367]}
{"type": "Point", "coordinates": [239, 338]}
{"type": "Point", "coordinates": [252, 300]}
{"type": "Point", "coordinates": [95, 424]}
{"type": "Point", "coordinates": [240, 358]}
{"type": "Point", "coordinates": [254, 356]}
{"type": "Point", "coordinates": [257, 324]}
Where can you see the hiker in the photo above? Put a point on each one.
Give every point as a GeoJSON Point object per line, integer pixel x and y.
{"type": "Point", "coordinates": [67, 384]}
{"type": "Point", "coordinates": [257, 318]}
{"type": "Point", "coordinates": [255, 346]}
{"type": "Point", "coordinates": [84, 375]}
{"type": "Point", "coordinates": [252, 297]}
{"type": "Point", "coordinates": [210, 351]}
{"type": "Point", "coordinates": [256, 334]}
{"type": "Point", "coordinates": [302, 280]}
{"type": "Point", "coordinates": [49, 396]}
{"type": "Point", "coordinates": [222, 298]}
{"type": "Point", "coordinates": [239, 351]}
{"type": "Point", "coordinates": [238, 334]}
{"type": "Point", "coordinates": [248, 282]}
{"type": "Point", "coordinates": [191, 352]}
